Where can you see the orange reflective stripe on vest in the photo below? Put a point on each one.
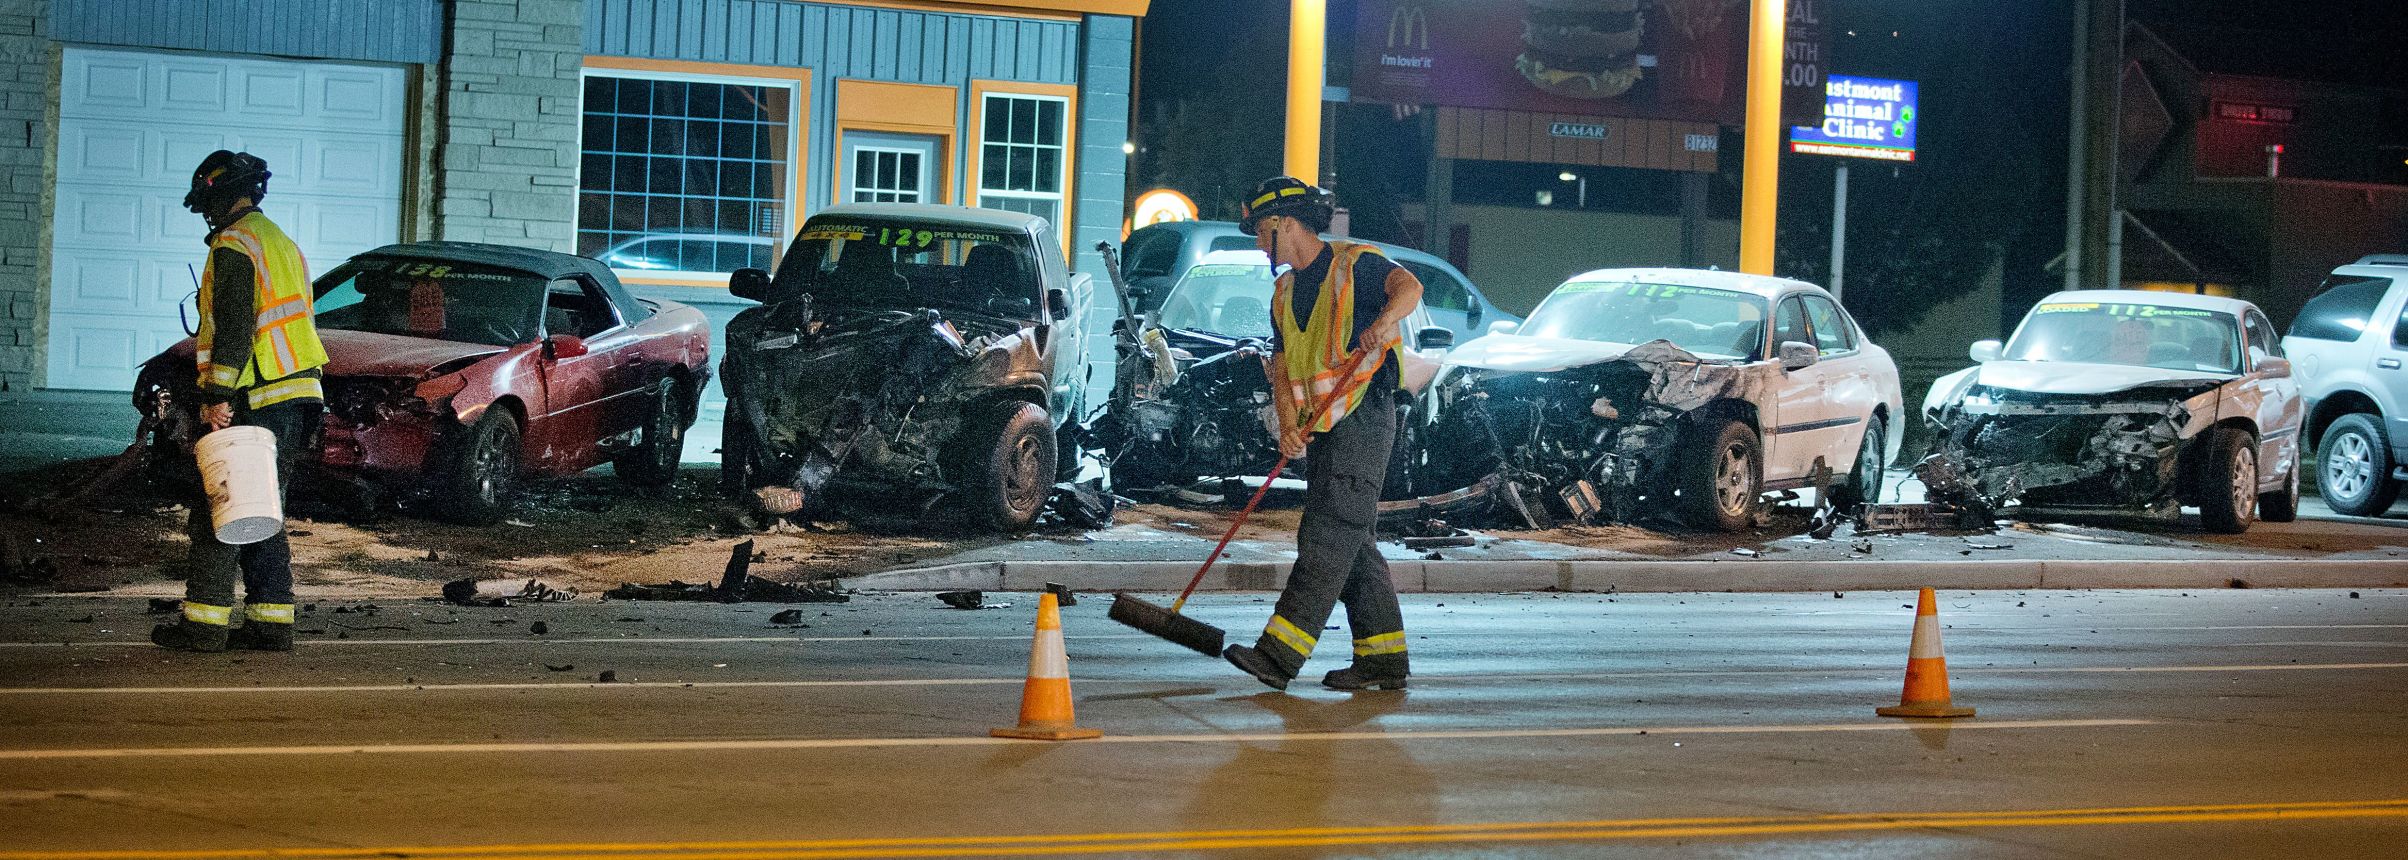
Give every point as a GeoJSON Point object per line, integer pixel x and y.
{"type": "Point", "coordinates": [284, 338]}
{"type": "Point", "coordinates": [1314, 351]}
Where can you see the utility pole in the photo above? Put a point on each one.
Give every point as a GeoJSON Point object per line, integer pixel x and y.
{"type": "Point", "coordinates": [2094, 260]}
{"type": "Point", "coordinates": [1759, 193]}
{"type": "Point", "coordinates": [1308, 21]}
{"type": "Point", "coordinates": [1839, 226]}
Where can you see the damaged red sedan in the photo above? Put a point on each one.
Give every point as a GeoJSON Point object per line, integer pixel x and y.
{"type": "Point", "coordinates": [460, 369]}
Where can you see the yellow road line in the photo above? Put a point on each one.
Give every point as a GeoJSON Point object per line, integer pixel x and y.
{"type": "Point", "coordinates": [1092, 843]}
{"type": "Point", "coordinates": [982, 740]}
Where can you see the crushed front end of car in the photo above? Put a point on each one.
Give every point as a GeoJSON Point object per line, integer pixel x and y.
{"type": "Point", "coordinates": [1189, 405]}
{"type": "Point", "coordinates": [840, 401]}
{"type": "Point", "coordinates": [2116, 451]}
{"type": "Point", "coordinates": [1588, 444]}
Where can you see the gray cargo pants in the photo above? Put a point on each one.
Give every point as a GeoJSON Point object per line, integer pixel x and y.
{"type": "Point", "coordinates": [1337, 557]}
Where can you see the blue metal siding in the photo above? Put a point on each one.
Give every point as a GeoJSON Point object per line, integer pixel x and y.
{"type": "Point", "coordinates": [838, 41]}
{"type": "Point", "coordinates": [1106, 69]}
{"type": "Point", "coordinates": [391, 31]}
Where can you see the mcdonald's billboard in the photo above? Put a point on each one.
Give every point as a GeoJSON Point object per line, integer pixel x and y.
{"type": "Point", "coordinates": [1649, 59]}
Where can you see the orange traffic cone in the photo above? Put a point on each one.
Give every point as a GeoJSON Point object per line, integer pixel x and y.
{"type": "Point", "coordinates": [1926, 670]}
{"type": "Point", "coordinates": [1045, 699]}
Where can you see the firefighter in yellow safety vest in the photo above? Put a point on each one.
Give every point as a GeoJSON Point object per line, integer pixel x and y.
{"type": "Point", "coordinates": [1334, 318]}
{"type": "Point", "coordinates": [258, 360]}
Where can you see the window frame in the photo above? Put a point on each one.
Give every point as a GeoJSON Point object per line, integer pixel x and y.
{"type": "Point", "coordinates": [592, 291]}
{"type": "Point", "coordinates": [926, 174]}
{"type": "Point", "coordinates": [1851, 343]}
{"type": "Point", "coordinates": [975, 123]}
{"type": "Point", "coordinates": [1772, 328]}
{"type": "Point", "coordinates": [1446, 282]}
{"type": "Point", "coordinates": [797, 83]}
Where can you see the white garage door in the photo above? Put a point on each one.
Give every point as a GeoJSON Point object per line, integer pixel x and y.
{"type": "Point", "coordinates": [133, 124]}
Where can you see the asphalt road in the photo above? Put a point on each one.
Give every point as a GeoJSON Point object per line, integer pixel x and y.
{"type": "Point", "coordinates": [2224, 723]}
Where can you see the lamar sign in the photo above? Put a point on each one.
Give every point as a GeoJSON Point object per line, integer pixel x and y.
{"type": "Point", "coordinates": [1862, 118]}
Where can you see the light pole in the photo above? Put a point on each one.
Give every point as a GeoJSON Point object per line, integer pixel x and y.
{"type": "Point", "coordinates": [1307, 21]}
{"type": "Point", "coordinates": [1759, 193]}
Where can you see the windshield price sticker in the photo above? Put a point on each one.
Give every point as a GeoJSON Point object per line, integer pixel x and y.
{"type": "Point", "coordinates": [2121, 310]}
{"type": "Point", "coordinates": [899, 236]}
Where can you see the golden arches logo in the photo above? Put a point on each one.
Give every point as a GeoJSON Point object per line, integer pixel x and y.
{"type": "Point", "coordinates": [1409, 27]}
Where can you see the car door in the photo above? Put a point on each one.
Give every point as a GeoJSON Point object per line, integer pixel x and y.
{"type": "Point", "coordinates": [591, 397]}
{"type": "Point", "coordinates": [2390, 371]}
{"type": "Point", "coordinates": [1849, 389]}
{"type": "Point", "coordinates": [2278, 411]}
{"type": "Point", "coordinates": [1793, 434]}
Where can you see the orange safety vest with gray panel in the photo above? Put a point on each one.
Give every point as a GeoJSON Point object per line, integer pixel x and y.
{"type": "Point", "coordinates": [278, 362]}
{"type": "Point", "coordinates": [1314, 351]}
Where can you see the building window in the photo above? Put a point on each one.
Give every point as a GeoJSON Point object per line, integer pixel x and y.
{"type": "Point", "coordinates": [684, 174]}
{"type": "Point", "coordinates": [1021, 154]}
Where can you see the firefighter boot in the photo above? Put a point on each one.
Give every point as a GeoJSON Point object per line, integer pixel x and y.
{"type": "Point", "coordinates": [262, 636]}
{"type": "Point", "coordinates": [190, 635]}
{"type": "Point", "coordinates": [1257, 664]}
{"type": "Point", "coordinates": [1357, 678]}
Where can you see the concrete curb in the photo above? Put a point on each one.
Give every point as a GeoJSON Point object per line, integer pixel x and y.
{"type": "Point", "coordinates": [1666, 576]}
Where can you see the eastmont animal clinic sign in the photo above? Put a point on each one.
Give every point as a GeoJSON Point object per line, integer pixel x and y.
{"type": "Point", "coordinates": [1862, 118]}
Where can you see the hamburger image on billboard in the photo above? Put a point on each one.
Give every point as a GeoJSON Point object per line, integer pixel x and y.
{"type": "Point", "coordinates": [1583, 49]}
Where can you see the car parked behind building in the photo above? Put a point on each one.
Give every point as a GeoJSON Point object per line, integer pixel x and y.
{"type": "Point", "coordinates": [1156, 255]}
{"type": "Point", "coordinates": [1634, 393]}
{"type": "Point", "coordinates": [908, 353]}
{"type": "Point", "coordinates": [2119, 401]}
{"type": "Point", "coordinates": [459, 369]}
{"type": "Point", "coordinates": [2349, 344]}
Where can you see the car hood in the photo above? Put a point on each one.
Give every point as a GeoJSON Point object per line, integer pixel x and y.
{"type": "Point", "coordinates": [355, 353]}
{"type": "Point", "coordinates": [2068, 377]}
{"type": "Point", "coordinates": [1513, 353]}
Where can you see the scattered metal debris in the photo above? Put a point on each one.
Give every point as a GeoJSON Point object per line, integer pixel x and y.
{"type": "Point", "coordinates": [788, 617]}
{"type": "Point", "coordinates": [1082, 505]}
{"type": "Point", "coordinates": [1744, 552]}
{"type": "Point", "coordinates": [967, 600]}
{"type": "Point", "coordinates": [1062, 594]}
{"type": "Point", "coordinates": [736, 585]}
{"type": "Point", "coordinates": [501, 593]}
{"type": "Point", "coordinates": [1918, 517]}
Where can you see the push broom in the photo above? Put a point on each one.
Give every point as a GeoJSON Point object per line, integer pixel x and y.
{"type": "Point", "coordinates": [1180, 629]}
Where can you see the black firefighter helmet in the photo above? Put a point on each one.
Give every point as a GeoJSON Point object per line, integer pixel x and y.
{"type": "Point", "coordinates": [224, 177]}
{"type": "Point", "coordinates": [1289, 196]}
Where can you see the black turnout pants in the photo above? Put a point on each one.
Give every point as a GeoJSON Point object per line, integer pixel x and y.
{"type": "Point", "coordinates": [1337, 558]}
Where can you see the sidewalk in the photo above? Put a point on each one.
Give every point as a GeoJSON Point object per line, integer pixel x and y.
{"type": "Point", "coordinates": [47, 426]}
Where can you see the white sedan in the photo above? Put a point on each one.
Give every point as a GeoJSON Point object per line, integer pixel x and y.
{"type": "Point", "coordinates": [2124, 401]}
{"type": "Point", "coordinates": [1630, 393]}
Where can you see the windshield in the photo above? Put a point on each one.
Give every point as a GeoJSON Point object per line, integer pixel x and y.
{"type": "Point", "coordinates": [2138, 335]}
{"type": "Point", "coordinates": [1232, 299]}
{"type": "Point", "coordinates": [883, 262]}
{"type": "Point", "coordinates": [1702, 320]}
{"type": "Point", "coordinates": [459, 302]}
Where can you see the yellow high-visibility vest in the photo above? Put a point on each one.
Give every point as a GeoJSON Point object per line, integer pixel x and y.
{"type": "Point", "coordinates": [1314, 353]}
{"type": "Point", "coordinates": [284, 337]}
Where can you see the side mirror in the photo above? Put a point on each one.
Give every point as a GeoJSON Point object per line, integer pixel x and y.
{"type": "Point", "coordinates": [561, 346]}
{"type": "Point", "coordinates": [2274, 367]}
{"type": "Point", "coordinates": [749, 283]}
{"type": "Point", "coordinates": [1796, 355]}
{"type": "Point", "coordinates": [1434, 338]}
{"type": "Point", "coordinates": [1503, 327]}
{"type": "Point", "coordinates": [1057, 303]}
{"type": "Point", "coordinates": [1472, 316]}
{"type": "Point", "coordinates": [1986, 350]}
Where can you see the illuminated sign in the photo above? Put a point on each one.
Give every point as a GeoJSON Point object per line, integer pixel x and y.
{"type": "Point", "coordinates": [1581, 130]}
{"type": "Point", "coordinates": [1862, 118]}
{"type": "Point", "coordinates": [1161, 205]}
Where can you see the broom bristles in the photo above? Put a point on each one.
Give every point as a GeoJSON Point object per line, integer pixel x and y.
{"type": "Point", "coordinates": [1170, 626]}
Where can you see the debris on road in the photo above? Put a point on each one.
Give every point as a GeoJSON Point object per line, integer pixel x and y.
{"type": "Point", "coordinates": [551, 668]}
{"type": "Point", "coordinates": [607, 676]}
{"type": "Point", "coordinates": [736, 585]}
{"type": "Point", "coordinates": [968, 600]}
{"type": "Point", "coordinates": [500, 593]}
{"type": "Point", "coordinates": [1064, 597]}
{"type": "Point", "coordinates": [539, 628]}
{"type": "Point", "coordinates": [1918, 517]}
{"type": "Point", "coordinates": [1744, 552]}
{"type": "Point", "coordinates": [1082, 505]}
{"type": "Point", "coordinates": [788, 616]}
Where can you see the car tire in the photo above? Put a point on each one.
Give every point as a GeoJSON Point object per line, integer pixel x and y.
{"type": "Point", "coordinates": [2228, 481]}
{"type": "Point", "coordinates": [654, 462]}
{"type": "Point", "coordinates": [1010, 468]}
{"type": "Point", "coordinates": [483, 473]}
{"type": "Point", "coordinates": [1864, 480]}
{"type": "Point", "coordinates": [2353, 467]}
{"type": "Point", "coordinates": [2281, 506]}
{"type": "Point", "coordinates": [1722, 479]}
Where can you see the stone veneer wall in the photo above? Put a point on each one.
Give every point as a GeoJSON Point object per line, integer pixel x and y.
{"type": "Point", "coordinates": [28, 112]}
{"type": "Point", "coordinates": [509, 139]}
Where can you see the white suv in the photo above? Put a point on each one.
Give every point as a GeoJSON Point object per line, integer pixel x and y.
{"type": "Point", "coordinates": [2350, 343]}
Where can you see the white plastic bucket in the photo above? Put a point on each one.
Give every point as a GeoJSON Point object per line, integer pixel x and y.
{"type": "Point", "coordinates": [238, 471]}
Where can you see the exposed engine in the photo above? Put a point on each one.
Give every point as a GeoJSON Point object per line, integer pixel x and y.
{"type": "Point", "coordinates": [2121, 450]}
{"type": "Point", "coordinates": [1206, 421]}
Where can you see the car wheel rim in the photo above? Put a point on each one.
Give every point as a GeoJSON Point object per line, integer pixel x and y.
{"type": "Point", "coordinates": [492, 461]}
{"type": "Point", "coordinates": [2244, 486]}
{"type": "Point", "coordinates": [1022, 474]}
{"type": "Point", "coordinates": [2350, 467]}
{"type": "Point", "coordinates": [668, 447]}
{"type": "Point", "coordinates": [1731, 481]}
{"type": "Point", "coordinates": [1868, 466]}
